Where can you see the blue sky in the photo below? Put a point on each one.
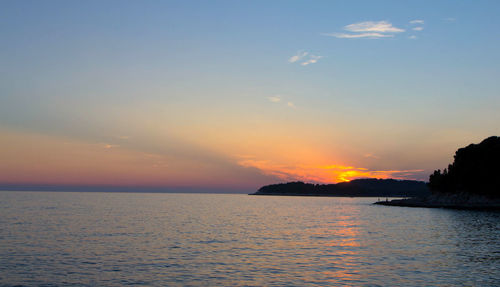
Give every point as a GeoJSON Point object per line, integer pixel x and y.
{"type": "Point", "coordinates": [377, 86]}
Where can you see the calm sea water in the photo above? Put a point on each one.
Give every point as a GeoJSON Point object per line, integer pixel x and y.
{"type": "Point", "coordinates": [116, 239]}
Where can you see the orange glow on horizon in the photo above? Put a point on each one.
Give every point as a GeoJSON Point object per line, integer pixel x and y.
{"type": "Point", "coordinates": [322, 173]}
{"type": "Point", "coordinates": [29, 158]}
{"type": "Point", "coordinates": [34, 159]}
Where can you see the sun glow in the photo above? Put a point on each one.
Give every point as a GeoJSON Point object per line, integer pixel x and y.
{"type": "Point", "coordinates": [322, 173]}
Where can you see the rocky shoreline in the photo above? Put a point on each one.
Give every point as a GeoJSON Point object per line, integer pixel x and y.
{"type": "Point", "coordinates": [454, 201]}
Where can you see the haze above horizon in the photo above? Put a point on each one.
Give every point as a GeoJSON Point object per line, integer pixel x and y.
{"type": "Point", "coordinates": [233, 94]}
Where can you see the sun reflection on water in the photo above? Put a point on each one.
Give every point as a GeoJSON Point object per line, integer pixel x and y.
{"type": "Point", "coordinates": [237, 240]}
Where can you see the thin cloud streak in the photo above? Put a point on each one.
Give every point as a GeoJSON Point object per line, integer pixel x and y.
{"type": "Point", "coordinates": [368, 29]}
{"type": "Point", "coordinates": [312, 60]}
{"type": "Point", "coordinates": [362, 35]}
{"type": "Point", "coordinates": [417, 21]}
{"type": "Point", "coordinates": [370, 155]}
{"type": "Point", "coordinates": [370, 26]}
{"type": "Point", "coordinates": [304, 58]}
{"type": "Point", "coordinates": [274, 99]}
{"type": "Point", "coordinates": [110, 146]}
{"type": "Point", "coordinates": [278, 99]}
{"type": "Point", "coordinates": [297, 57]}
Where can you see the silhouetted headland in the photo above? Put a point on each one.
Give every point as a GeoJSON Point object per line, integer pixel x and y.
{"type": "Point", "coordinates": [472, 181]}
{"type": "Point", "coordinates": [370, 187]}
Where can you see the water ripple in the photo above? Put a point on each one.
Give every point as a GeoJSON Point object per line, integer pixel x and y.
{"type": "Point", "coordinates": [93, 239]}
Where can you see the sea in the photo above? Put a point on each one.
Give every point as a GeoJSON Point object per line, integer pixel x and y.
{"type": "Point", "coordinates": [168, 239]}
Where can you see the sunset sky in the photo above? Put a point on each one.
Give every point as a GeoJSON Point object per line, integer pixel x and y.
{"type": "Point", "coordinates": [238, 94]}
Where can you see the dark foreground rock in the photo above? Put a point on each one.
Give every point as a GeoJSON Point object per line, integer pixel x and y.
{"type": "Point", "coordinates": [453, 200]}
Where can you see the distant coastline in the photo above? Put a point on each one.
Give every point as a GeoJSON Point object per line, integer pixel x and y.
{"type": "Point", "coordinates": [119, 189]}
{"type": "Point", "coordinates": [370, 187]}
{"type": "Point", "coordinates": [471, 182]}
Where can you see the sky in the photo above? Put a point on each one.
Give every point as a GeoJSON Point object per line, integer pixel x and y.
{"type": "Point", "coordinates": [239, 94]}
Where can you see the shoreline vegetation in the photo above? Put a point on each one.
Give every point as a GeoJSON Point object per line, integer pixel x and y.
{"type": "Point", "coordinates": [370, 187]}
{"type": "Point", "coordinates": [472, 181]}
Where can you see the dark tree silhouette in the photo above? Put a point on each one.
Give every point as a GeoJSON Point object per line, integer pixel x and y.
{"type": "Point", "coordinates": [357, 187]}
{"type": "Point", "coordinates": [475, 169]}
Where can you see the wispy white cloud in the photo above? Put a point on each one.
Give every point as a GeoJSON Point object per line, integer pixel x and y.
{"type": "Point", "coordinates": [417, 21]}
{"type": "Point", "coordinates": [274, 99]}
{"type": "Point", "coordinates": [304, 58]}
{"type": "Point", "coordinates": [371, 26]}
{"type": "Point", "coordinates": [278, 99]}
{"type": "Point", "coordinates": [297, 57]}
{"type": "Point", "coordinates": [450, 19]}
{"type": "Point", "coordinates": [312, 59]}
{"type": "Point", "coordinates": [368, 29]}
{"type": "Point", "coordinates": [361, 35]}
{"type": "Point", "coordinates": [417, 28]}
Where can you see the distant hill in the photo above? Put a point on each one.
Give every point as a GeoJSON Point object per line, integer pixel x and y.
{"type": "Point", "coordinates": [370, 187]}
